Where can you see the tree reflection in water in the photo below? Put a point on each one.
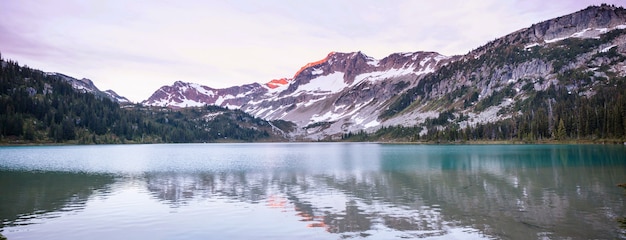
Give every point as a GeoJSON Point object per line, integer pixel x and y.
{"type": "Point", "coordinates": [26, 195]}
{"type": "Point", "coordinates": [417, 196]}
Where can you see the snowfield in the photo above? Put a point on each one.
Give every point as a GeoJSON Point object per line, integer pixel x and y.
{"type": "Point", "coordinates": [324, 84]}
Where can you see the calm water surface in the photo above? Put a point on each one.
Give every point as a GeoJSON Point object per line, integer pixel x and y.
{"type": "Point", "coordinates": [312, 191]}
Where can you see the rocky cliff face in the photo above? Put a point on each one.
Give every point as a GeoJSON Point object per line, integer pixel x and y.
{"type": "Point", "coordinates": [349, 92]}
{"type": "Point", "coordinates": [586, 23]}
{"type": "Point", "coordinates": [574, 52]}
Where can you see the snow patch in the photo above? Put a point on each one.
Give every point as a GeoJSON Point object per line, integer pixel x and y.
{"type": "Point", "coordinates": [359, 120]}
{"type": "Point", "coordinates": [438, 58]}
{"type": "Point", "coordinates": [312, 101]}
{"type": "Point", "coordinates": [587, 33]}
{"type": "Point", "coordinates": [424, 61]}
{"type": "Point", "coordinates": [581, 33]}
{"type": "Point", "coordinates": [211, 116]}
{"type": "Point", "coordinates": [394, 72]}
{"type": "Point", "coordinates": [324, 84]}
{"type": "Point", "coordinates": [371, 124]}
{"type": "Point", "coordinates": [326, 117]}
{"type": "Point", "coordinates": [219, 101]}
{"type": "Point", "coordinates": [555, 40]}
{"type": "Point", "coordinates": [606, 49]}
{"type": "Point", "coordinates": [188, 103]}
{"type": "Point", "coordinates": [427, 69]}
{"type": "Point", "coordinates": [529, 46]}
{"type": "Point", "coordinates": [317, 71]}
{"type": "Point", "coordinates": [372, 61]}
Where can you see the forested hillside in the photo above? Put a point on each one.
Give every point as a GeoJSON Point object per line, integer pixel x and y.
{"type": "Point", "coordinates": [36, 107]}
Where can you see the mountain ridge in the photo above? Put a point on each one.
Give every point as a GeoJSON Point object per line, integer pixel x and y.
{"type": "Point", "coordinates": [349, 92]}
{"type": "Point", "coordinates": [329, 82]}
{"type": "Point", "coordinates": [87, 85]}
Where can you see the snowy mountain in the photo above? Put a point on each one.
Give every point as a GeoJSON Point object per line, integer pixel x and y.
{"type": "Point", "coordinates": [182, 94]}
{"type": "Point", "coordinates": [350, 92]}
{"type": "Point", "coordinates": [350, 88]}
{"type": "Point", "coordinates": [345, 92]}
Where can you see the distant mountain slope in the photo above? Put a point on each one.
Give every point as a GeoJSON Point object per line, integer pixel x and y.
{"type": "Point", "coordinates": [40, 107]}
{"type": "Point", "coordinates": [116, 97]}
{"type": "Point", "coordinates": [87, 86]}
{"type": "Point", "coordinates": [182, 94]}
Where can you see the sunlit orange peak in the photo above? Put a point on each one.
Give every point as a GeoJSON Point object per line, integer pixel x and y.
{"type": "Point", "coordinates": [311, 64]}
{"type": "Point", "coordinates": [282, 81]}
{"type": "Point", "coordinates": [277, 83]}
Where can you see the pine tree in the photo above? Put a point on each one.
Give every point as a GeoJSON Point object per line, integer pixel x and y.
{"type": "Point", "coordinates": [561, 133]}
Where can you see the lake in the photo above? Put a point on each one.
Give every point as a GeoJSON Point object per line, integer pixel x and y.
{"type": "Point", "coordinates": [312, 191]}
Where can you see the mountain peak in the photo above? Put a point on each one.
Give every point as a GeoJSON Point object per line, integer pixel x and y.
{"type": "Point", "coordinates": [120, 99]}
{"type": "Point", "coordinates": [313, 64]}
{"type": "Point", "coordinates": [277, 82]}
{"type": "Point", "coordinates": [180, 83]}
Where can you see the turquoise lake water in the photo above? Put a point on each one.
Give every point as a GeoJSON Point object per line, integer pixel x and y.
{"type": "Point", "coordinates": [312, 191]}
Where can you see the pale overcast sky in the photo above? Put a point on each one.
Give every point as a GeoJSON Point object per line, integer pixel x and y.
{"type": "Point", "coordinates": [135, 47]}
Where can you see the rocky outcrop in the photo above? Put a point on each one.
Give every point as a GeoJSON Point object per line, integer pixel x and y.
{"type": "Point", "coordinates": [591, 19]}
{"type": "Point", "coordinates": [120, 99]}
{"type": "Point", "coordinates": [87, 86]}
{"type": "Point", "coordinates": [587, 23]}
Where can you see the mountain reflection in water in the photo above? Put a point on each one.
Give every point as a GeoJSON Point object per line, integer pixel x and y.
{"type": "Point", "coordinates": [518, 192]}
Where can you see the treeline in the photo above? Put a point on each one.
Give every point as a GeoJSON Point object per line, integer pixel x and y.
{"type": "Point", "coordinates": [38, 108]}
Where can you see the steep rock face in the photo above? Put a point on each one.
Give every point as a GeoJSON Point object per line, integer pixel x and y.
{"type": "Point", "coordinates": [587, 23]}
{"type": "Point", "coordinates": [578, 52]}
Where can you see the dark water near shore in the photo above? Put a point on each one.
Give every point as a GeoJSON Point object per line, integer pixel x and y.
{"type": "Point", "coordinates": [312, 191]}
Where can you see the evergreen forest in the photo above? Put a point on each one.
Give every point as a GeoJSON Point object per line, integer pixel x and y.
{"type": "Point", "coordinates": [36, 107]}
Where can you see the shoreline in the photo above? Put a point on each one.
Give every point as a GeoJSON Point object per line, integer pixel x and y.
{"type": "Point", "coordinates": [474, 142]}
